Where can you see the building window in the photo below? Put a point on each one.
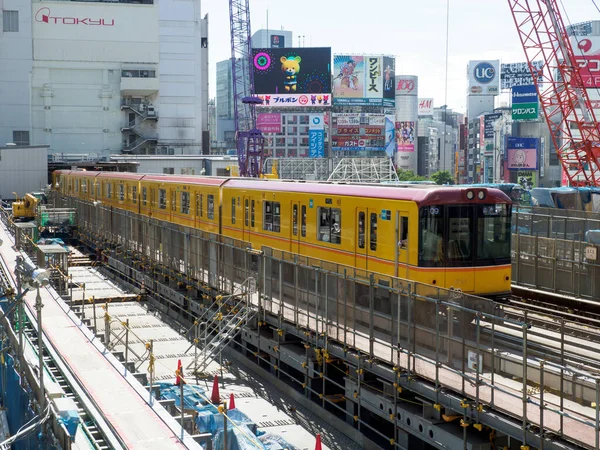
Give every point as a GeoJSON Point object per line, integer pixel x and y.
{"type": "Point", "coordinates": [162, 199]}
{"type": "Point", "coordinates": [21, 137]}
{"type": "Point", "coordinates": [144, 196]}
{"type": "Point", "coordinates": [134, 195]}
{"type": "Point", "coordinates": [271, 218]}
{"type": "Point", "coordinates": [169, 170]}
{"type": "Point", "coordinates": [295, 220]}
{"type": "Point", "coordinates": [121, 192]}
{"type": "Point", "coordinates": [330, 225]}
{"type": "Point", "coordinates": [233, 210]}
{"type": "Point", "coordinates": [10, 23]}
{"type": "Point", "coordinates": [185, 202]}
{"type": "Point", "coordinates": [211, 207]}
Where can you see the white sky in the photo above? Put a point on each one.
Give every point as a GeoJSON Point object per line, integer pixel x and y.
{"type": "Point", "coordinates": [415, 32]}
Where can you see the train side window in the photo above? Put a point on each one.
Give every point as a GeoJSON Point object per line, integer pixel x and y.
{"type": "Point", "coordinates": [162, 199]}
{"type": "Point", "coordinates": [329, 225]}
{"type": "Point", "coordinates": [98, 189]}
{"type": "Point", "coordinates": [185, 202]}
{"type": "Point", "coordinates": [271, 217]}
{"type": "Point", "coordinates": [246, 212]}
{"type": "Point", "coordinates": [252, 214]}
{"type": "Point", "coordinates": [232, 209]}
{"type": "Point", "coordinates": [121, 192]}
{"type": "Point", "coordinates": [361, 230]}
{"type": "Point", "coordinates": [403, 232]}
{"type": "Point", "coordinates": [108, 190]}
{"type": "Point", "coordinates": [76, 184]}
{"type": "Point", "coordinates": [295, 220]}
{"type": "Point", "coordinates": [373, 231]}
{"type": "Point", "coordinates": [84, 186]}
{"type": "Point", "coordinates": [303, 226]}
{"type": "Point", "coordinates": [173, 200]}
{"type": "Point", "coordinates": [211, 207]}
{"type": "Point", "coordinates": [134, 195]}
{"type": "Point", "coordinates": [144, 196]}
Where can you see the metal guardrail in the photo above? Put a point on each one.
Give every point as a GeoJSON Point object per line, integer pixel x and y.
{"type": "Point", "coordinates": [456, 342]}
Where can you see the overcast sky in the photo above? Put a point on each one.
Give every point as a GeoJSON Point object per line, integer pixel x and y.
{"type": "Point", "coordinates": [413, 31]}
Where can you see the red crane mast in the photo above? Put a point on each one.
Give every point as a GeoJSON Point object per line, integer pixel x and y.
{"type": "Point", "coordinates": [563, 97]}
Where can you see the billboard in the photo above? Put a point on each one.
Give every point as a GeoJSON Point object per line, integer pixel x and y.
{"type": "Point", "coordinates": [269, 122]}
{"type": "Point", "coordinates": [587, 55]}
{"type": "Point", "coordinates": [405, 136]}
{"type": "Point", "coordinates": [292, 76]}
{"type": "Point", "coordinates": [363, 80]}
{"type": "Point", "coordinates": [425, 107]}
{"type": "Point", "coordinates": [361, 131]}
{"type": "Point", "coordinates": [95, 32]}
{"type": "Point", "coordinates": [525, 104]}
{"type": "Point", "coordinates": [522, 153]}
{"type": "Point", "coordinates": [277, 41]}
{"type": "Point", "coordinates": [484, 77]}
{"type": "Point", "coordinates": [518, 74]}
{"type": "Point", "coordinates": [527, 179]}
{"type": "Point", "coordinates": [316, 136]}
{"type": "Point", "coordinates": [488, 126]}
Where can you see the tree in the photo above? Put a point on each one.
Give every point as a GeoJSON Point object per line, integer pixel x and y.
{"type": "Point", "coordinates": [409, 175]}
{"type": "Point", "coordinates": [442, 177]}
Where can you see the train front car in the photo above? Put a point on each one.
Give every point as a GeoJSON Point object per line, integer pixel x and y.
{"type": "Point", "coordinates": [464, 240]}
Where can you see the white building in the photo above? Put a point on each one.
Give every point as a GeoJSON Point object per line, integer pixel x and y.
{"type": "Point", "coordinates": [108, 78]}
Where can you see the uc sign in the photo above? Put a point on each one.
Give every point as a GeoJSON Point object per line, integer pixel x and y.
{"type": "Point", "coordinates": [484, 73]}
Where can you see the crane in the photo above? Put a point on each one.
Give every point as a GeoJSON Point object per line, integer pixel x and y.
{"type": "Point", "coordinates": [249, 139]}
{"type": "Point", "coordinates": [563, 97]}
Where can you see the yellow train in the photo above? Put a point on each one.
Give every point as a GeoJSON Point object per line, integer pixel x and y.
{"type": "Point", "coordinates": [452, 237]}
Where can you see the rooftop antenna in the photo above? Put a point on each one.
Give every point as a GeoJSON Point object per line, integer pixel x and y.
{"type": "Point", "coordinates": [268, 38]}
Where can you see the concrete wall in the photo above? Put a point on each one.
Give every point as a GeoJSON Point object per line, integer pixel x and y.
{"type": "Point", "coordinates": [22, 170]}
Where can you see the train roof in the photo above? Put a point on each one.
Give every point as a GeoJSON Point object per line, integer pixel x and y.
{"type": "Point", "coordinates": [421, 194]}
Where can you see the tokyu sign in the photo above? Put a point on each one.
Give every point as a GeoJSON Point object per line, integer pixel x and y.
{"type": "Point", "coordinates": [44, 15]}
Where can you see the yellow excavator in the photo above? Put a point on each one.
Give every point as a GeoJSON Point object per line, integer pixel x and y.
{"type": "Point", "coordinates": [24, 209]}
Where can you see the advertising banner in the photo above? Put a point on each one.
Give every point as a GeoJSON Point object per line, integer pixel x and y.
{"type": "Point", "coordinates": [527, 179]}
{"type": "Point", "coordinates": [522, 153]}
{"type": "Point", "coordinates": [363, 80]}
{"type": "Point", "coordinates": [484, 77]}
{"type": "Point", "coordinates": [359, 131]}
{"type": "Point", "coordinates": [518, 74]}
{"type": "Point", "coordinates": [425, 107]}
{"type": "Point", "coordinates": [488, 128]}
{"type": "Point", "coordinates": [277, 41]}
{"type": "Point", "coordinates": [525, 104]}
{"type": "Point", "coordinates": [587, 54]}
{"type": "Point", "coordinates": [405, 136]}
{"type": "Point", "coordinates": [292, 76]}
{"type": "Point", "coordinates": [269, 122]}
{"type": "Point", "coordinates": [390, 135]}
{"type": "Point", "coordinates": [316, 136]}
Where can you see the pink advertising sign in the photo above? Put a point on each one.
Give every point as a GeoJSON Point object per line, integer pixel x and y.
{"type": "Point", "coordinates": [269, 122]}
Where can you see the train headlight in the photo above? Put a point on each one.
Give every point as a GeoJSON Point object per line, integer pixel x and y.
{"type": "Point", "coordinates": [470, 195]}
{"type": "Point", "coordinates": [481, 195]}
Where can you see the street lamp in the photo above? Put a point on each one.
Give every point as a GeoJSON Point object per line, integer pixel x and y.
{"type": "Point", "coordinates": [31, 277]}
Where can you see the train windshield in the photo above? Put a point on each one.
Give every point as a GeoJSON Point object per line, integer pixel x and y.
{"type": "Point", "coordinates": [464, 235]}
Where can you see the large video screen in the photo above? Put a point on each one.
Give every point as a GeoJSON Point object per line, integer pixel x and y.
{"type": "Point", "coordinates": [292, 76]}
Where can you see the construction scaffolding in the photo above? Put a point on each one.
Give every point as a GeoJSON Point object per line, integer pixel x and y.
{"type": "Point", "coordinates": [313, 169]}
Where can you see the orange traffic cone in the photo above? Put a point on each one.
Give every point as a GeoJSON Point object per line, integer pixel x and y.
{"type": "Point", "coordinates": [215, 396]}
{"type": "Point", "coordinates": [318, 445]}
{"type": "Point", "coordinates": [179, 373]}
{"type": "Point", "coordinates": [231, 402]}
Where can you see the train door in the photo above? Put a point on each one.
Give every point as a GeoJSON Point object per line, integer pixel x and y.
{"type": "Point", "coordinates": [295, 228]}
{"type": "Point", "coordinates": [360, 245]}
{"type": "Point", "coordinates": [246, 223]}
{"type": "Point", "coordinates": [402, 244]}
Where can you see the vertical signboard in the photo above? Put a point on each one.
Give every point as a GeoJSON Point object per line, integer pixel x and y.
{"type": "Point", "coordinates": [522, 153]}
{"type": "Point", "coordinates": [363, 80]}
{"type": "Point", "coordinates": [484, 77]}
{"type": "Point", "coordinates": [524, 103]}
{"type": "Point", "coordinates": [316, 136]}
{"type": "Point", "coordinates": [489, 121]}
{"type": "Point", "coordinates": [405, 136]}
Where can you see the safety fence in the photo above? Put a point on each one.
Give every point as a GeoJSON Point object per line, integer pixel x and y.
{"type": "Point", "coordinates": [493, 355]}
